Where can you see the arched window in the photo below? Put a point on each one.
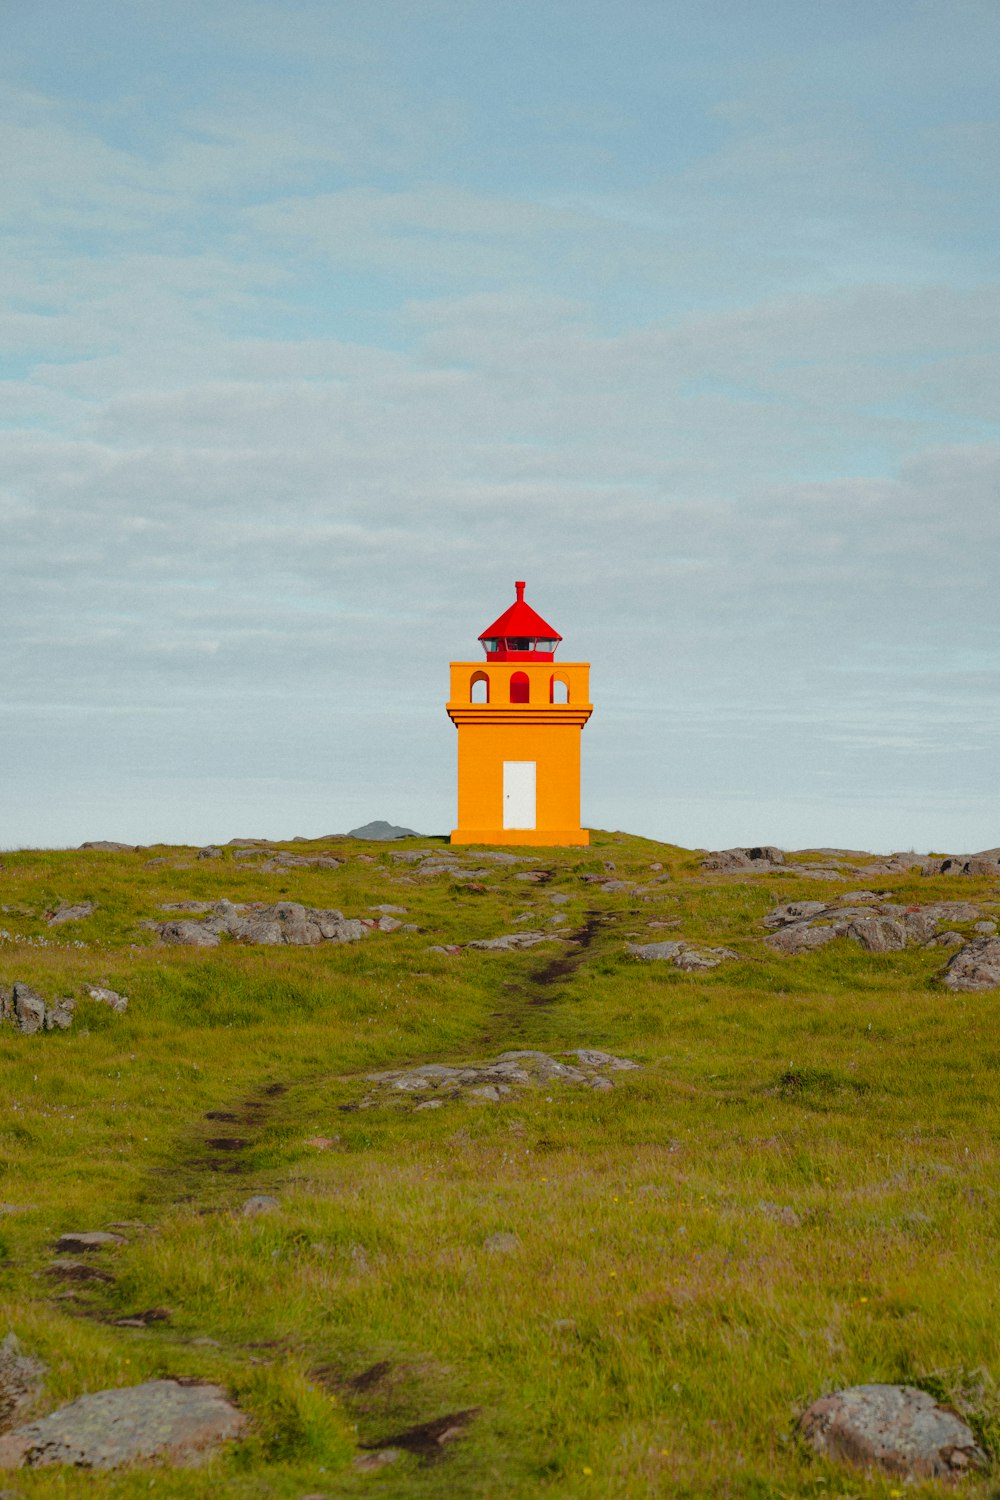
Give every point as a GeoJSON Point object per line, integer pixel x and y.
{"type": "Point", "coordinates": [519, 690]}
{"type": "Point", "coordinates": [558, 690]}
{"type": "Point", "coordinates": [479, 688]}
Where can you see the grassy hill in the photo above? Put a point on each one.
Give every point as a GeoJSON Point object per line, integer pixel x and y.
{"type": "Point", "coordinates": [633, 1290]}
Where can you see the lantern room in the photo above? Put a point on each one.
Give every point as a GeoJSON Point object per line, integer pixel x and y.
{"type": "Point", "coordinates": [520, 634]}
{"type": "Point", "coordinates": [519, 718]}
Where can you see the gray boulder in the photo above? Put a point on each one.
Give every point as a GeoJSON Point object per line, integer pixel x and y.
{"type": "Point", "coordinates": [896, 1428]}
{"type": "Point", "coordinates": [108, 846]}
{"type": "Point", "coordinates": [168, 1421]}
{"type": "Point", "coordinates": [21, 1377]}
{"type": "Point", "coordinates": [975, 967]}
{"type": "Point", "coordinates": [800, 938]}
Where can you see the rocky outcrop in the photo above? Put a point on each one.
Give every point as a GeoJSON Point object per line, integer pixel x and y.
{"type": "Point", "coordinates": [896, 1428]}
{"type": "Point", "coordinates": [169, 1421]}
{"type": "Point", "coordinates": [975, 967]}
{"type": "Point", "coordinates": [108, 846]}
{"type": "Point", "coordinates": [687, 956]}
{"type": "Point", "coordinates": [434, 1084]}
{"type": "Point", "coordinates": [283, 922]}
{"type": "Point", "coordinates": [877, 926]}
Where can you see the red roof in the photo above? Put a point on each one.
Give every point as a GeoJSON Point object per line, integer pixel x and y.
{"type": "Point", "coordinates": [520, 620]}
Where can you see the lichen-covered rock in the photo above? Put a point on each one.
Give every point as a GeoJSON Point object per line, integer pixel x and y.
{"type": "Point", "coordinates": [21, 1377]}
{"type": "Point", "coordinates": [165, 1420]}
{"type": "Point", "coordinates": [895, 1428]}
{"type": "Point", "coordinates": [975, 967]}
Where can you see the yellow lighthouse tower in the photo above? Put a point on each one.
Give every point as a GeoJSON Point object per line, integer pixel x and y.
{"type": "Point", "coordinates": [519, 719]}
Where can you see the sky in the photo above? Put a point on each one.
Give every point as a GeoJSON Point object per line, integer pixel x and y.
{"type": "Point", "coordinates": [324, 322]}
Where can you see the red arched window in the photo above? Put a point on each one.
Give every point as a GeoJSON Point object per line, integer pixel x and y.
{"type": "Point", "coordinates": [519, 691]}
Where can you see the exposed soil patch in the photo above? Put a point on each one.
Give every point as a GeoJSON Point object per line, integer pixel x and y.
{"type": "Point", "coordinates": [428, 1439]}
{"type": "Point", "coordinates": [566, 964]}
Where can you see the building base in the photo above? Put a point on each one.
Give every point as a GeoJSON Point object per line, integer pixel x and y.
{"type": "Point", "coordinates": [547, 838]}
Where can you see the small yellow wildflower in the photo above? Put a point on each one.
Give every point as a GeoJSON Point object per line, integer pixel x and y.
{"type": "Point", "coordinates": [587, 1469]}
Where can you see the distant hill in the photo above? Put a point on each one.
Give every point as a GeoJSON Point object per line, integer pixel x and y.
{"type": "Point", "coordinates": [382, 830]}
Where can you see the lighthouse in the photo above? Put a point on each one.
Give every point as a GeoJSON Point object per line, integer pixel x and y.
{"type": "Point", "coordinates": [519, 717]}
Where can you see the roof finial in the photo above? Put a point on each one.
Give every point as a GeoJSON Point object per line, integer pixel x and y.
{"type": "Point", "coordinates": [520, 592]}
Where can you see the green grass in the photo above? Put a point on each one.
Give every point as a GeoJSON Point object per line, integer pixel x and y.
{"type": "Point", "coordinates": [796, 1192]}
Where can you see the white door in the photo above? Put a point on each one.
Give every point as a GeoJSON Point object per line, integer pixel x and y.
{"type": "Point", "coordinates": [519, 794]}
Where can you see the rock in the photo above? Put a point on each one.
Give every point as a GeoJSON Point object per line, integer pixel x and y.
{"type": "Point", "coordinates": [794, 911]}
{"type": "Point", "coordinates": [987, 862]}
{"type": "Point", "coordinates": [389, 911]}
{"type": "Point", "coordinates": [388, 924]}
{"type": "Point", "coordinates": [802, 939]}
{"type": "Point", "coordinates": [510, 942]}
{"type": "Point", "coordinates": [986, 928]}
{"type": "Point", "coordinates": [380, 830]}
{"type": "Point", "coordinates": [975, 967]}
{"type": "Point", "coordinates": [682, 955]}
{"type": "Point", "coordinates": [253, 922]}
{"type": "Point", "coordinates": [87, 1240]}
{"type": "Point", "coordinates": [210, 851]}
{"type": "Point", "coordinates": [60, 1016]}
{"type": "Point", "coordinates": [730, 861]}
{"type": "Point", "coordinates": [878, 934]}
{"type": "Point", "coordinates": [494, 1079]}
{"type": "Point", "coordinates": [501, 1243]}
{"type": "Point", "coordinates": [111, 998]}
{"type": "Point", "coordinates": [28, 1009]}
{"type": "Point", "coordinates": [879, 927]}
{"type": "Point", "coordinates": [283, 861]}
{"type": "Point", "coordinates": [75, 913]}
{"type": "Point", "coordinates": [946, 940]}
{"type": "Point", "coordinates": [896, 1428]}
{"type": "Point", "coordinates": [260, 1203]}
{"type": "Point", "coordinates": [21, 1376]}
{"type": "Point", "coordinates": [188, 934]}
{"type": "Point", "coordinates": [106, 846]}
{"type": "Point", "coordinates": [164, 1420]}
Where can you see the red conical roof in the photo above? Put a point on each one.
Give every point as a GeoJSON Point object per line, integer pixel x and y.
{"type": "Point", "coordinates": [520, 620]}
